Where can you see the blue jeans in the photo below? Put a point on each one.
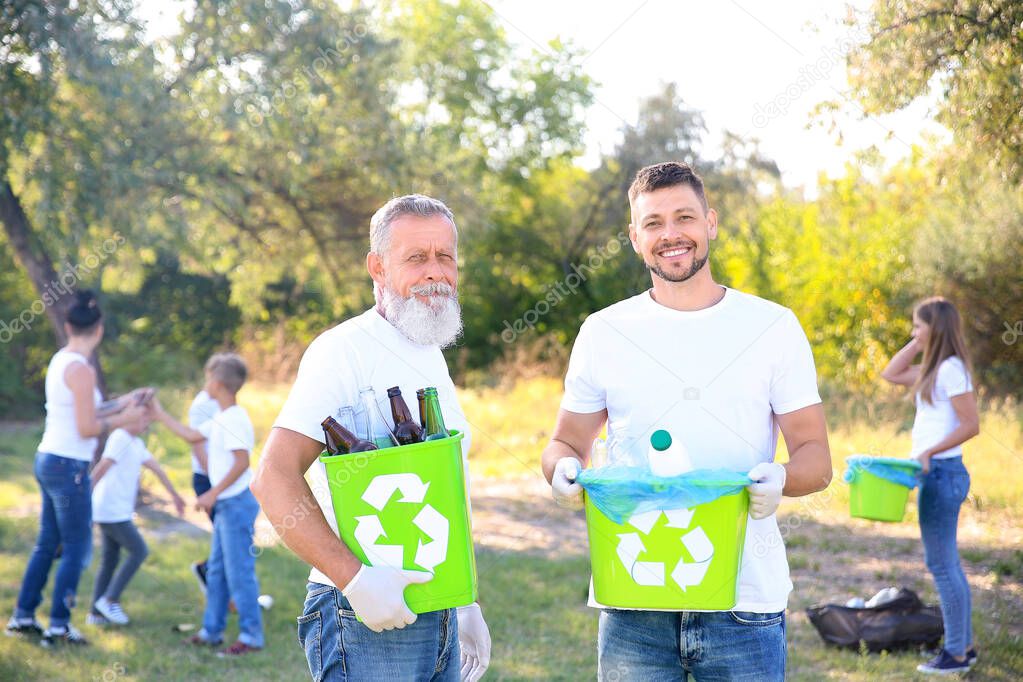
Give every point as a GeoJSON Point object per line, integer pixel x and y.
{"type": "Point", "coordinates": [231, 572]}
{"type": "Point", "coordinates": [942, 493]}
{"type": "Point", "coordinates": [339, 648]}
{"type": "Point", "coordinates": [651, 646]}
{"type": "Point", "coordinates": [66, 521]}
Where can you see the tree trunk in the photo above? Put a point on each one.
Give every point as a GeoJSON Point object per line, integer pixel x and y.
{"type": "Point", "coordinates": [55, 296]}
{"type": "Point", "coordinates": [37, 265]}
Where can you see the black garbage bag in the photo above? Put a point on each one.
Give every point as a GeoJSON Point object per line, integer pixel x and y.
{"type": "Point", "coordinates": [903, 623]}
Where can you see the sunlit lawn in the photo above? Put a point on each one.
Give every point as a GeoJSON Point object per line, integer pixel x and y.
{"type": "Point", "coordinates": [535, 605]}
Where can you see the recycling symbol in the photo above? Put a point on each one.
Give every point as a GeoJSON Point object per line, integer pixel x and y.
{"type": "Point", "coordinates": [652, 573]}
{"type": "Point", "coordinates": [369, 529]}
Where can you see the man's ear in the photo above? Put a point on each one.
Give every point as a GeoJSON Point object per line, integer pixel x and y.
{"type": "Point", "coordinates": [632, 237]}
{"type": "Point", "coordinates": [375, 267]}
{"type": "Point", "coordinates": [712, 223]}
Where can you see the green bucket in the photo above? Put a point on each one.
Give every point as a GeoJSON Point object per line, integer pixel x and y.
{"type": "Point", "coordinates": [684, 559]}
{"type": "Point", "coordinates": [872, 497]}
{"type": "Point", "coordinates": [408, 507]}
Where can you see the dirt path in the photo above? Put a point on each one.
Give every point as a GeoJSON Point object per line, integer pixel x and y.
{"type": "Point", "coordinates": [831, 556]}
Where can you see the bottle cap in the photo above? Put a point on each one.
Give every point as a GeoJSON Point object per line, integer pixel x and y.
{"type": "Point", "coordinates": [660, 440]}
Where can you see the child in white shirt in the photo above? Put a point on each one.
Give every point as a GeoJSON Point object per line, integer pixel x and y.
{"type": "Point", "coordinates": [115, 485]}
{"type": "Point", "coordinates": [231, 569]}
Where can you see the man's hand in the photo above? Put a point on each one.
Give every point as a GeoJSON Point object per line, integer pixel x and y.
{"type": "Point", "coordinates": [377, 595]}
{"type": "Point", "coordinates": [206, 501]}
{"type": "Point", "coordinates": [925, 461]}
{"type": "Point", "coordinates": [474, 641]}
{"type": "Point", "coordinates": [179, 505]}
{"type": "Point", "coordinates": [567, 493]}
{"type": "Point", "coordinates": [765, 491]}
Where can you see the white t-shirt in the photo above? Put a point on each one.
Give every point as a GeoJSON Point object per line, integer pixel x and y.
{"type": "Point", "coordinates": [714, 379]}
{"type": "Point", "coordinates": [202, 409]}
{"type": "Point", "coordinates": [229, 430]}
{"type": "Point", "coordinates": [935, 421]}
{"type": "Point", "coordinates": [363, 351]}
{"type": "Point", "coordinates": [61, 435]}
{"type": "Point", "coordinates": [113, 499]}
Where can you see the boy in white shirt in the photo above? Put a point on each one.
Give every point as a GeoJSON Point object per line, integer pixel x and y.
{"type": "Point", "coordinates": [202, 409]}
{"type": "Point", "coordinates": [231, 569]}
{"type": "Point", "coordinates": [115, 485]}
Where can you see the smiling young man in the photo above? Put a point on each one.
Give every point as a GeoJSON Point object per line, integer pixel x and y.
{"type": "Point", "coordinates": [721, 371]}
{"type": "Point", "coordinates": [355, 623]}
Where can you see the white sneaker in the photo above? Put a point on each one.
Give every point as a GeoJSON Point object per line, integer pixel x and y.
{"type": "Point", "coordinates": [96, 619]}
{"type": "Point", "coordinates": [111, 610]}
{"type": "Point", "coordinates": [61, 635]}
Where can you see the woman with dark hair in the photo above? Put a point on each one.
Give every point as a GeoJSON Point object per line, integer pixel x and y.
{"type": "Point", "coordinates": [946, 417]}
{"type": "Point", "coordinates": [73, 426]}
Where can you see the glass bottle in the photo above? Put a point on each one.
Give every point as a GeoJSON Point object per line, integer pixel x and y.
{"type": "Point", "coordinates": [377, 429]}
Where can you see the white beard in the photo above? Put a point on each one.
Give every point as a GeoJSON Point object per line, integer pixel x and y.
{"type": "Point", "coordinates": [437, 323]}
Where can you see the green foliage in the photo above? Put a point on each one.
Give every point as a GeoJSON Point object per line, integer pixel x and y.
{"type": "Point", "coordinates": [969, 248]}
{"type": "Point", "coordinates": [973, 52]}
{"type": "Point", "coordinates": [163, 333]}
{"type": "Point", "coordinates": [239, 159]}
{"type": "Point", "coordinates": [24, 355]}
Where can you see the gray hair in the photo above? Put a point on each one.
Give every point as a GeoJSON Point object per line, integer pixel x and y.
{"type": "Point", "coordinates": [410, 204]}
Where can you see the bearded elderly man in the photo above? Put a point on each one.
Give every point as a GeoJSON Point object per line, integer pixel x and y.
{"type": "Point", "coordinates": [355, 623]}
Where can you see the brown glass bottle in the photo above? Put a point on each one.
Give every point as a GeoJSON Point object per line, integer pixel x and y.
{"type": "Point", "coordinates": [420, 396]}
{"type": "Point", "coordinates": [406, 430]}
{"type": "Point", "coordinates": [340, 441]}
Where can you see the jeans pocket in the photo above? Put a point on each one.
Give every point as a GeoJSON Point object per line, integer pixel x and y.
{"type": "Point", "coordinates": [757, 619]}
{"type": "Point", "coordinates": [309, 636]}
{"type": "Point", "coordinates": [962, 485]}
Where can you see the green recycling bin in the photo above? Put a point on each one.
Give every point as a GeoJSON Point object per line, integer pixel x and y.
{"type": "Point", "coordinates": [408, 507]}
{"type": "Point", "coordinates": [877, 498]}
{"type": "Point", "coordinates": [685, 559]}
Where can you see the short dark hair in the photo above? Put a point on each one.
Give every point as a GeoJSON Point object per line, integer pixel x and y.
{"type": "Point", "coordinates": [84, 314]}
{"type": "Point", "coordinates": [667, 174]}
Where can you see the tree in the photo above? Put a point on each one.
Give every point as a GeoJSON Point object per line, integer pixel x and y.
{"type": "Point", "coordinates": [973, 50]}
{"type": "Point", "coordinates": [62, 67]}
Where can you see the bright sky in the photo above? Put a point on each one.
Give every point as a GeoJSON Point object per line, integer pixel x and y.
{"type": "Point", "coordinates": [730, 60]}
{"type": "Point", "coordinates": [754, 67]}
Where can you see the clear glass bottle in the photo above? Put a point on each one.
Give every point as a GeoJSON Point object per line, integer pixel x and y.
{"type": "Point", "coordinates": [377, 430]}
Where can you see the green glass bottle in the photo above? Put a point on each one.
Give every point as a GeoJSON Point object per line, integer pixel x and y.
{"type": "Point", "coordinates": [434, 429]}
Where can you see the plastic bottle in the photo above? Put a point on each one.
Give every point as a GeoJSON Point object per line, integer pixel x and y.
{"type": "Point", "coordinates": [666, 457]}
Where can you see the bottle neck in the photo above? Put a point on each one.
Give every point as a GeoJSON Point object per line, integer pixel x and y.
{"type": "Point", "coordinates": [399, 410]}
{"type": "Point", "coordinates": [434, 416]}
{"type": "Point", "coordinates": [337, 438]}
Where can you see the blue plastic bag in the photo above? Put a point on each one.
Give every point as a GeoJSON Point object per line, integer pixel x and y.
{"type": "Point", "coordinates": [905, 472]}
{"type": "Point", "coordinates": [620, 491]}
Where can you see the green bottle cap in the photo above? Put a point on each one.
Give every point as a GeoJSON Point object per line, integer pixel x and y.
{"type": "Point", "coordinates": [660, 440]}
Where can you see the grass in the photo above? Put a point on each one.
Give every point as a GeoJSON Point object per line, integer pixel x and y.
{"type": "Point", "coordinates": [535, 603]}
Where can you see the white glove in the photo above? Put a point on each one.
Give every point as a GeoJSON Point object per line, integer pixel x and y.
{"type": "Point", "coordinates": [765, 491]}
{"type": "Point", "coordinates": [567, 493]}
{"type": "Point", "coordinates": [474, 641]}
{"type": "Point", "coordinates": [377, 595]}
